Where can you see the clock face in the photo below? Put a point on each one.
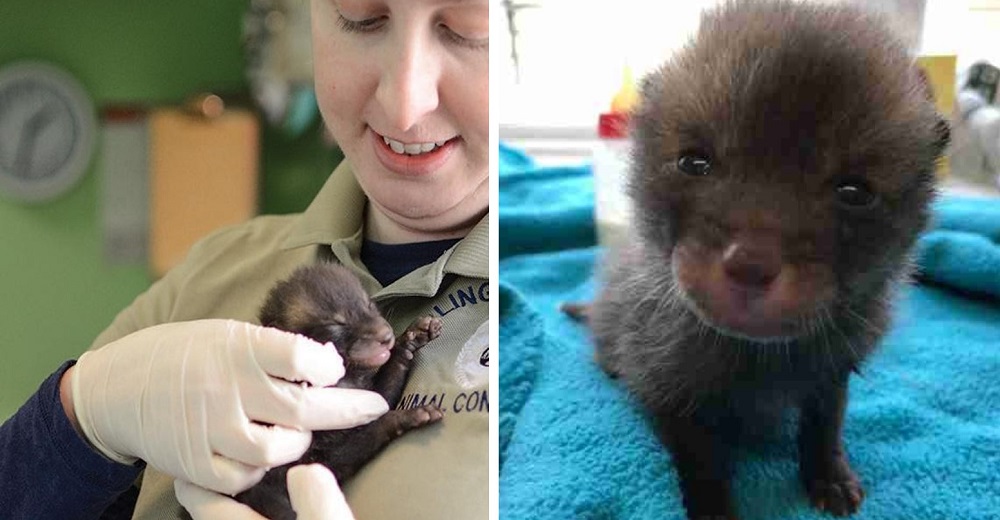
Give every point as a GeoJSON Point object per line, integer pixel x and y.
{"type": "Point", "coordinates": [46, 131]}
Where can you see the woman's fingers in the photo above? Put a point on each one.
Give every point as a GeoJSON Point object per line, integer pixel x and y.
{"type": "Point", "coordinates": [315, 494]}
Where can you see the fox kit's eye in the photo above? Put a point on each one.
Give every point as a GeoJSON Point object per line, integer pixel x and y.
{"type": "Point", "coordinates": [694, 163]}
{"type": "Point", "coordinates": [855, 194]}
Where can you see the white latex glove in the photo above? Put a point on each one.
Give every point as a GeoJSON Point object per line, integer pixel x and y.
{"type": "Point", "coordinates": [188, 398]}
{"type": "Point", "coordinates": [312, 488]}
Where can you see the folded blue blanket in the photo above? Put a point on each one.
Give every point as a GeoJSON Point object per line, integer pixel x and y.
{"type": "Point", "coordinates": [923, 423]}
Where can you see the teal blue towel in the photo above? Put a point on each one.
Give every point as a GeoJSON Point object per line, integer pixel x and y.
{"type": "Point", "coordinates": [923, 423]}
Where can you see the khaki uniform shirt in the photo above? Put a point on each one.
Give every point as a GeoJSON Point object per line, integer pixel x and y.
{"type": "Point", "coordinates": [437, 472]}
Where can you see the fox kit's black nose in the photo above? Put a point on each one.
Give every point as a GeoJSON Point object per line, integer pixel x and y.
{"type": "Point", "coordinates": [752, 262]}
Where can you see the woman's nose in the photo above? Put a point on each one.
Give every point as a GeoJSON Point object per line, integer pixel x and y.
{"type": "Point", "coordinates": [408, 87]}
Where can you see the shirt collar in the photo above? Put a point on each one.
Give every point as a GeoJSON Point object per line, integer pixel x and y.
{"type": "Point", "coordinates": [337, 213]}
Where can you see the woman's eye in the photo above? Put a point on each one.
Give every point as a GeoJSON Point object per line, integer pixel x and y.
{"type": "Point", "coordinates": [855, 194]}
{"type": "Point", "coordinates": [360, 26]}
{"type": "Point", "coordinates": [694, 163]}
{"type": "Point", "coordinates": [458, 39]}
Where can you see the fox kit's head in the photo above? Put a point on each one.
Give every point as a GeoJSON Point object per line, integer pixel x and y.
{"type": "Point", "coordinates": [784, 164]}
{"type": "Point", "coordinates": [327, 303]}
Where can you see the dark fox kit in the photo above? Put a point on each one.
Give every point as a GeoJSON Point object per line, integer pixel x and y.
{"type": "Point", "coordinates": [327, 303]}
{"type": "Point", "coordinates": [783, 167]}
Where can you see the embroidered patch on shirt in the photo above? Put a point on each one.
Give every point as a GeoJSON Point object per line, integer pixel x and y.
{"type": "Point", "coordinates": [472, 366]}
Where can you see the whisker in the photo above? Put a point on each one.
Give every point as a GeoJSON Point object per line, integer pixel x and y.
{"type": "Point", "coordinates": [853, 314]}
{"type": "Point", "coordinates": [855, 356]}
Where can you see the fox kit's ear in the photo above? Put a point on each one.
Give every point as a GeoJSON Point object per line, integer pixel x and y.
{"type": "Point", "coordinates": [942, 129]}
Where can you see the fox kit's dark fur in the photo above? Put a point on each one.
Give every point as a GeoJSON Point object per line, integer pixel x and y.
{"type": "Point", "coordinates": [327, 303]}
{"type": "Point", "coordinates": [783, 168]}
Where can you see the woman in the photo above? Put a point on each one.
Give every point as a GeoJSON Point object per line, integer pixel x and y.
{"type": "Point", "coordinates": [402, 85]}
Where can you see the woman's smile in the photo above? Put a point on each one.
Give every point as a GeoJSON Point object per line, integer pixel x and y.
{"type": "Point", "coordinates": [413, 158]}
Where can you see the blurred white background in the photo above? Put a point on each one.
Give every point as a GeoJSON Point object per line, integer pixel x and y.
{"type": "Point", "coordinates": [571, 53]}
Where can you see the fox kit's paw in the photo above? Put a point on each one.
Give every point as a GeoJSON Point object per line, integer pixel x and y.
{"type": "Point", "coordinates": [420, 333]}
{"type": "Point", "coordinates": [403, 421]}
{"type": "Point", "coordinates": [839, 493]}
{"type": "Point", "coordinates": [578, 311]}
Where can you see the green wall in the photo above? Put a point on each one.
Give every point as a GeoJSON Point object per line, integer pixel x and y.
{"type": "Point", "coordinates": [56, 291]}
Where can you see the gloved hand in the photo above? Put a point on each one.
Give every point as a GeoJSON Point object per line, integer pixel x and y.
{"type": "Point", "coordinates": [189, 399]}
{"type": "Point", "coordinates": [312, 488]}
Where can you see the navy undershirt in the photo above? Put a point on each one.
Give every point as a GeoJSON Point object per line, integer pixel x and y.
{"type": "Point", "coordinates": [47, 470]}
{"type": "Point", "coordinates": [390, 262]}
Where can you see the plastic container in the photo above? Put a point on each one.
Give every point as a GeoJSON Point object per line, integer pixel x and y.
{"type": "Point", "coordinates": [611, 164]}
{"type": "Point", "coordinates": [611, 159]}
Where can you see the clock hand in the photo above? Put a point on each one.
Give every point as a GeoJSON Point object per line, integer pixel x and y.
{"type": "Point", "coordinates": [26, 147]}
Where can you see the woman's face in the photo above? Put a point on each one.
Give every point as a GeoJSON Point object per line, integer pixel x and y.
{"type": "Point", "coordinates": [403, 86]}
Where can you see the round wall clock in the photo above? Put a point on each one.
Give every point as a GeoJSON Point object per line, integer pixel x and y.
{"type": "Point", "coordinates": [47, 128]}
